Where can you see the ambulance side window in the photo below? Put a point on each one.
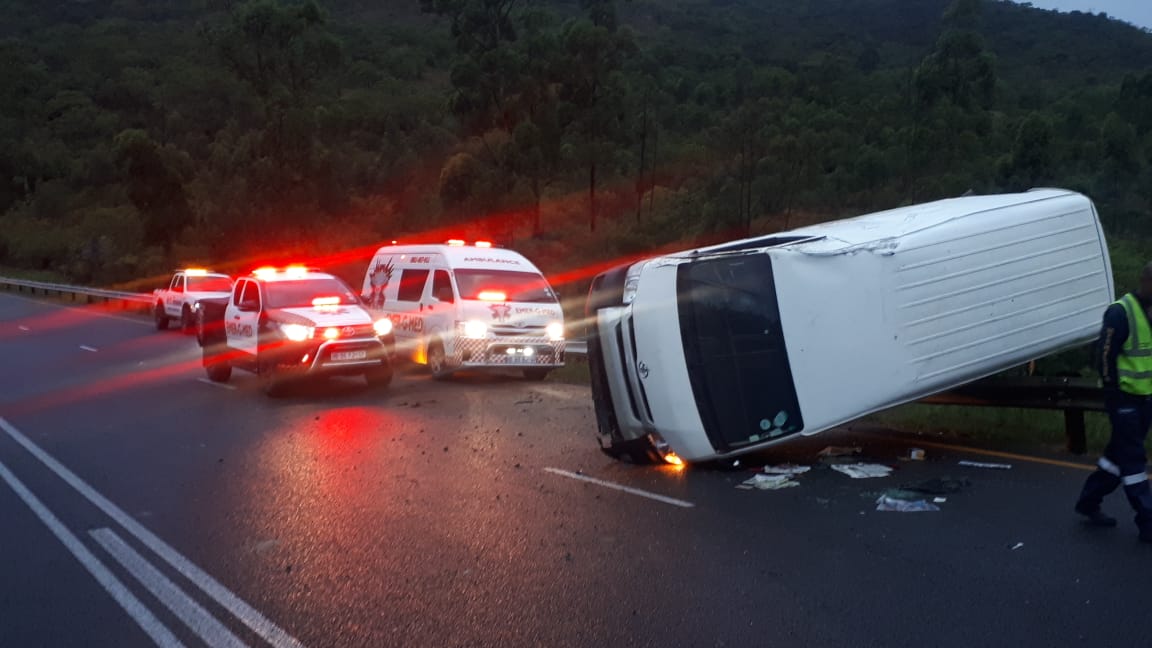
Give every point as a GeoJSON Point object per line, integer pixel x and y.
{"type": "Point", "coordinates": [236, 290]}
{"type": "Point", "coordinates": [412, 285]}
{"type": "Point", "coordinates": [442, 287]}
{"type": "Point", "coordinates": [178, 283]}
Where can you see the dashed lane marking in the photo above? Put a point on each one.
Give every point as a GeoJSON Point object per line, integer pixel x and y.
{"type": "Point", "coordinates": [627, 489]}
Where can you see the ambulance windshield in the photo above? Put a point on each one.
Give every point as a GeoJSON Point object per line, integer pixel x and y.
{"type": "Point", "coordinates": [513, 286]}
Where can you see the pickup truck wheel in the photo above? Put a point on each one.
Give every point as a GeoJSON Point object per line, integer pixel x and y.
{"type": "Point", "coordinates": [187, 324]}
{"type": "Point", "coordinates": [437, 361]}
{"type": "Point", "coordinates": [161, 318]}
{"type": "Point", "coordinates": [219, 371]}
{"type": "Point", "coordinates": [380, 377]}
{"type": "Point", "coordinates": [272, 381]}
{"type": "Point", "coordinates": [217, 368]}
{"type": "Point", "coordinates": [537, 373]}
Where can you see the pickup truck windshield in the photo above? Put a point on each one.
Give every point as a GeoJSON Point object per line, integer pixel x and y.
{"type": "Point", "coordinates": [734, 348]}
{"type": "Point", "coordinates": [209, 284]}
{"type": "Point", "coordinates": [516, 286]}
{"type": "Point", "coordinates": [300, 293]}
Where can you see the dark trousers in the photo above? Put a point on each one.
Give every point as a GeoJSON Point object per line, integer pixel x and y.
{"type": "Point", "coordinates": [1124, 460]}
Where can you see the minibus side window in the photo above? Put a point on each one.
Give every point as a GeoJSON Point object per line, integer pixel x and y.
{"type": "Point", "coordinates": [442, 287]}
{"type": "Point", "coordinates": [411, 285]}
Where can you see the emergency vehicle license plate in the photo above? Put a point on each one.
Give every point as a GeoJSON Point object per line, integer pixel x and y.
{"type": "Point", "coordinates": [338, 356]}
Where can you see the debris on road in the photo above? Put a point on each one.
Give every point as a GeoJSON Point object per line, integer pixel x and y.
{"type": "Point", "coordinates": [886, 503]}
{"type": "Point", "coordinates": [1017, 546]}
{"type": "Point", "coordinates": [786, 469]}
{"type": "Point", "coordinates": [838, 451]}
{"type": "Point", "coordinates": [863, 470]}
{"type": "Point", "coordinates": [914, 454]}
{"type": "Point", "coordinates": [761, 481]}
{"type": "Point", "coordinates": [980, 464]}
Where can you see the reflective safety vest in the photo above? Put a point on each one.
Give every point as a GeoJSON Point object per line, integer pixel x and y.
{"type": "Point", "coordinates": [1134, 363]}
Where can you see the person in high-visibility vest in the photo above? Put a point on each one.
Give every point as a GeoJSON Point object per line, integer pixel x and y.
{"type": "Point", "coordinates": [1125, 362]}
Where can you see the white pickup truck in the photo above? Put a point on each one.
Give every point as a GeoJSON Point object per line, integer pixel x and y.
{"type": "Point", "coordinates": [187, 287]}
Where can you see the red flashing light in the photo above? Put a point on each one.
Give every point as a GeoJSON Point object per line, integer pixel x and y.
{"type": "Point", "coordinates": [484, 244]}
{"type": "Point", "coordinates": [456, 242]}
{"type": "Point", "coordinates": [326, 301]}
{"type": "Point", "coordinates": [492, 295]}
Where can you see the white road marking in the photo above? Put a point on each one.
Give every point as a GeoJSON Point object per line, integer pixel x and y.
{"type": "Point", "coordinates": [627, 489]}
{"type": "Point", "coordinates": [88, 348]}
{"type": "Point", "coordinates": [116, 589]}
{"type": "Point", "coordinates": [247, 615]}
{"type": "Point", "coordinates": [187, 610]}
{"type": "Point", "coordinates": [216, 384]}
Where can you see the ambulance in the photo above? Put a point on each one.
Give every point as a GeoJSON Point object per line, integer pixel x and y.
{"type": "Point", "coordinates": [460, 305]}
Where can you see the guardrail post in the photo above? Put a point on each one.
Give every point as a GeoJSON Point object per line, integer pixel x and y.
{"type": "Point", "coordinates": [1074, 431]}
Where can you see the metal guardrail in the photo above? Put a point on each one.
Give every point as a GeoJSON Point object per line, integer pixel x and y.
{"type": "Point", "coordinates": [128, 300]}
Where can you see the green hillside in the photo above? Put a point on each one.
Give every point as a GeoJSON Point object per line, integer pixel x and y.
{"type": "Point", "coordinates": [135, 136]}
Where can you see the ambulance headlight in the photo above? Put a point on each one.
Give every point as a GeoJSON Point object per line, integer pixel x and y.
{"type": "Point", "coordinates": [382, 326]}
{"type": "Point", "coordinates": [555, 331]}
{"type": "Point", "coordinates": [475, 329]}
{"type": "Point", "coordinates": [296, 332]}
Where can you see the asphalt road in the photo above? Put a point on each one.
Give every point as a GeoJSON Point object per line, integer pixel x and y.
{"type": "Point", "coordinates": [144, 506]}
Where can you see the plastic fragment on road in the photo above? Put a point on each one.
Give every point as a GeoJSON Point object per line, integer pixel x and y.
{"type": "Point", "coordinates": [863, 470]}
{"type": "Point", "coordinates": [1017, 546]}
{"type": "Point", "coordinates": [786, 469]}
{"type": "Point", "coordinates": [839, 451]}
{"type": "Point", "coordinates": [981, 464]}
{"type": "Point", "coordinates": [914, 454]}
{"type": "Point", "coordinates": [761, 481]}
{"type": "Point", "coordinates": [885, 503]}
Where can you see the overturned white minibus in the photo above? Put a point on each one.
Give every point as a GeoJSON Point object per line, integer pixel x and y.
{"type": "Point", "coordinates": [719, 351]}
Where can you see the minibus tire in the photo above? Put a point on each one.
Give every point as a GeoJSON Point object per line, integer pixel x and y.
{"type": "Point", "coordinates": [439, 369]}
{"type": "Point", "coordinates": [640, 452]}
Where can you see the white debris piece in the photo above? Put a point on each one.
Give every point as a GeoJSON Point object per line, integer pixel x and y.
{"type": "Point", "coordinates": [885, 503]}
{"type": "Point", "coordinates": [786, 469]}
{"type": "Point", "coordinates": [768, 482]}
{"type": "Point", "coordinates": [863, 470]}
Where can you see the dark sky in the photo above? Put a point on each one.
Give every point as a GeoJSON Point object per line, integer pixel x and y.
{"type": "Point", "coordinates": [1137, 12]}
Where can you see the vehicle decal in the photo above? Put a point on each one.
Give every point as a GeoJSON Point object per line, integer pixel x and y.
{"type": "Point", "coordinates": [500, 312]}
{"type": "Point", "coordinates": [238, 330]}
{"type": "Point", "coordinates": [380, 276]}
{"type": "Point", "coordinates": [410, 323]}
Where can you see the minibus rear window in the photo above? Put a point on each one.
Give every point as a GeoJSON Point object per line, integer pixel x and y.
{"type": "Point", "coordinates": [734, 347]}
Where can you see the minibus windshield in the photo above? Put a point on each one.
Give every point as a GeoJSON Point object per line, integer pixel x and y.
{"type": "Point", "coordinates": [734, 348]}
{"type": "Point", "coordinates": [513, 286]}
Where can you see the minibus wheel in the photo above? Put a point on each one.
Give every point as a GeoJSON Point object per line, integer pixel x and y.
{"type": "Point", "coordinates": [437, 361]}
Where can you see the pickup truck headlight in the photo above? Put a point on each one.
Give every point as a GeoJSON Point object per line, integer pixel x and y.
{"type": "Point", "coordinates": [475, 329]}
{"type": "Point", "coordinates": [555, 331]}
{"type": "Point", "coordinates": [382, 326]}
{"type": "Point", "coordinates": [296, 332]}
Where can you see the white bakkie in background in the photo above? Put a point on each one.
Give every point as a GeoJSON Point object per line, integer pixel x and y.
{"type": "Point", "coordinates": [724, 350]}
{"type": "Point", "coordinates": [467, 306]}
{"type": "Point", "coordinates": [185, 288]}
